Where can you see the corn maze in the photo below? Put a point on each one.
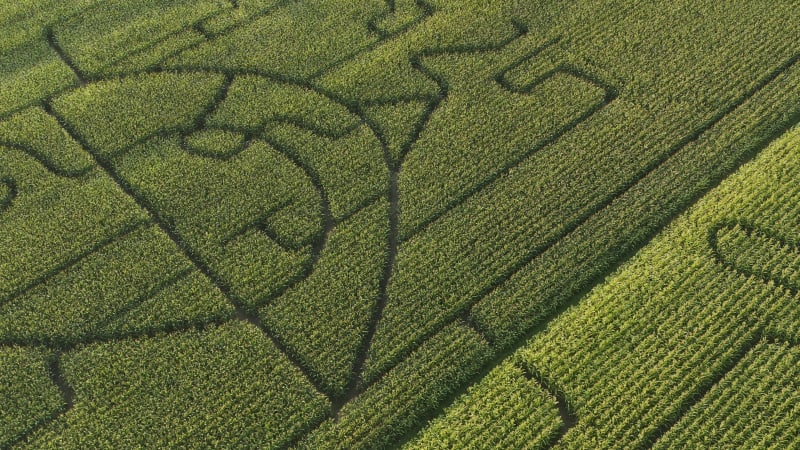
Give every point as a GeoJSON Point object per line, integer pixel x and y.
{"type": "Point", "coordinates": [399, 224]}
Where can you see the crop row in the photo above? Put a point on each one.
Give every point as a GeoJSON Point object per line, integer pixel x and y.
{"type": "Point", "coordinates": [671, 349]}
{"type": "Point", "coordinates": [30, 71]}
{"type": "Point", "coordinates": [323, 319]}
{"type": "Point", "coordinates": [107, 32]}
{"type": "Point", "coordinates": [214, 205]}
{"type": "Point", "coordinates": [754, 252]}
{"type": "Point", "coordinates": [482, 128]}
{"type": "Point", "coordinates": [253, 101]}
{"type": "Point", "coordinates": [26, 392]}
{"type": "Point", "coordinates": [40, 135]}
{"type": "Point", "coordinates": [671, 342]}
{"type": "Point", "coordinates": [505, 409]}
{"type": "Point", "coordinates": [243, 12]}
{"type": "Point", "coordinates": [609, 234]}
{"type": "Point", "coordinates": [111, 116]}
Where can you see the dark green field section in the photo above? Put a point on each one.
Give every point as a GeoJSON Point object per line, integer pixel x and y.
{"type": "Point", "coordinates": [340, 224]}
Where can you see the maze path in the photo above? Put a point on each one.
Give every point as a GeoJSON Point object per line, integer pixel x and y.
{"type": "Point", "coordinates": [748, 407]}
{"type": "Point", "coordinates": [652, 167]}
{"type": "Point", "coordinates": [116, 150]}
{"type": "Point", "coordinates": [685, 318]}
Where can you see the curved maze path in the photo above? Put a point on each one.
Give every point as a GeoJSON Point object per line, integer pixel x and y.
{"type": "Point", "coordinates": [349, 244]}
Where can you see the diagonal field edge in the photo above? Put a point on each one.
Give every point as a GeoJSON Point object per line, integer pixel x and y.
{"type": "Point", "coordinates": [635, 246]}
{"type": "Point", "coordinates": [67, 397]}
{"type": "Point", "coordinates": [605, 203]}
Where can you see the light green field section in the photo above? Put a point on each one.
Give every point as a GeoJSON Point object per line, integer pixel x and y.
{"type": "Point", "coordinates": [693, 342]}
{"type": "Point", "coordinates": [27, 393]}
{"type": "Point", "coordinates": [754, 406]}
{"type": "Point", "coordinates": [506, 409]}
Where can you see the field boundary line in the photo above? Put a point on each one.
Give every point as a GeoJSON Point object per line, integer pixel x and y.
{"type": "Point", "coordinates": [633, 247]}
